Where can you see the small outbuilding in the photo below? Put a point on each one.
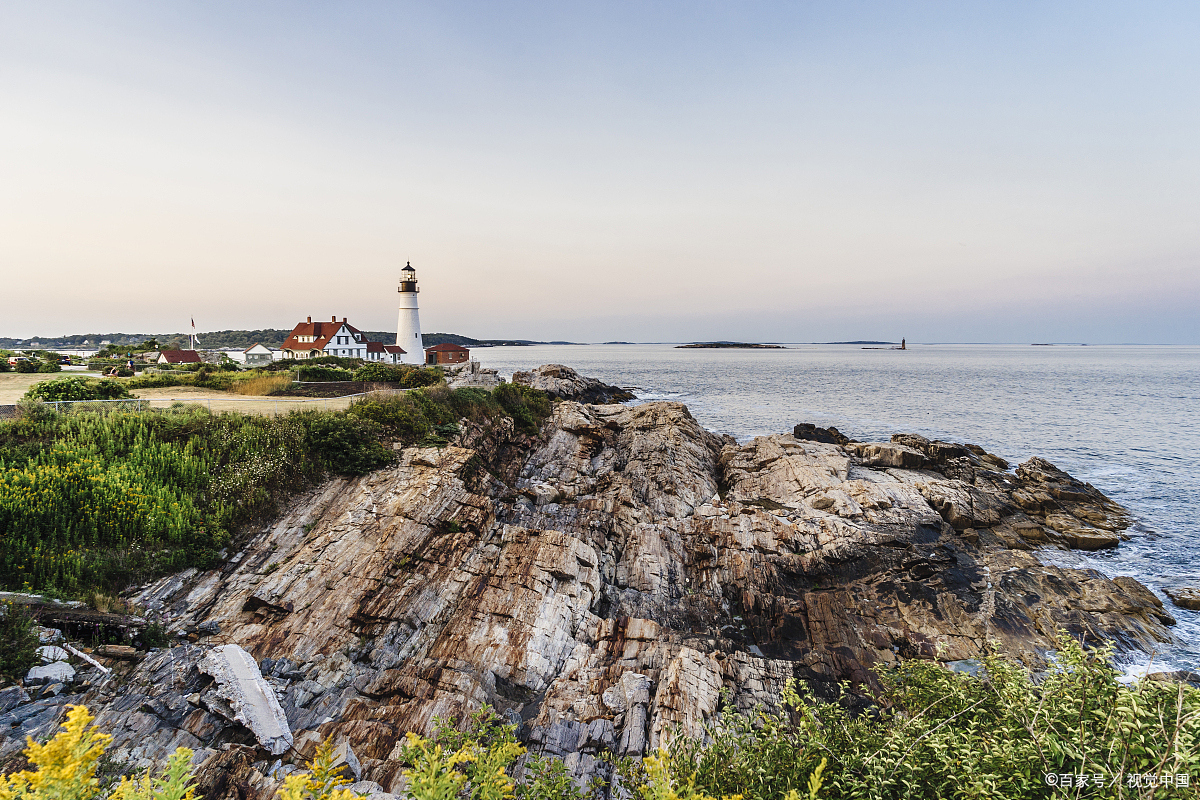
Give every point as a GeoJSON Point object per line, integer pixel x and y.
{"type": "Point", "coordinates": [179, 357]}
{"type": "Point", "coordinates": [385, 353]}
{"type": "Point", "coordinates": [257, 354]}
{"type": "Point", "coordinates": [446, 354]}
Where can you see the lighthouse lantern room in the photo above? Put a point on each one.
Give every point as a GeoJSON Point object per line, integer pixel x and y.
{"type": "Point", "coordinates": [408, 326]}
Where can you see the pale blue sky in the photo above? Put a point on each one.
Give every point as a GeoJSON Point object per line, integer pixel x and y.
{"type": "Point", "coordinates": [637, 171]}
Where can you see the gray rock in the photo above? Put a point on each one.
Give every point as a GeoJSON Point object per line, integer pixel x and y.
{"type": "Point", "coordinates": [887, 454]}
{"type": "Point", "coordinates": [52, 690]}
{"type": "Point", "coordinates": [372, 791]}
{"type": "Point", "coordinates": [345, 763]}
{"type": "Point", "coordinates": [12, 697]}
{"type": "Point", "coordinates": [564, 383]}
{"type": "Point", "coordinates": [562, 737]}
{"type": "Point", "coordinates": [57, 672]}
{"type": "Point", "coordinates": [633, 737]}
{"type": "Point", "coordinates": [636, 687]}
{"type": "Point", "coordinates": [49, 654]}
{"type": "Point", "coordinates": [250, 698]}
{"type": "Point", "coordinates": [49, 635]}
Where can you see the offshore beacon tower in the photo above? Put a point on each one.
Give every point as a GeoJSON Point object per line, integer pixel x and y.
{"type": "Point", "coordinates": [408, 326]}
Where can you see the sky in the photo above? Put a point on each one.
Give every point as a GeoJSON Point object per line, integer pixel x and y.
{"type": "Point", "coordinates": [640, 171]}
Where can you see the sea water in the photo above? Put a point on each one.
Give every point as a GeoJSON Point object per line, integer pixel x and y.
{"type": "Point", "coordinates": [1124, 418]}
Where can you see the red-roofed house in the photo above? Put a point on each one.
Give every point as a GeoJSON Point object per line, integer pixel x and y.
{"type": "Point", "coordinates": [446, 354]}
{"type": "Point", "coordinates": [314, 339]}
{"type": "Point", "coordinates": [179, 357]}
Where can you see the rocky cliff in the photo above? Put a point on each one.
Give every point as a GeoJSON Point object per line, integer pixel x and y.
{"type": "Point", "coordinates": [600, 584]}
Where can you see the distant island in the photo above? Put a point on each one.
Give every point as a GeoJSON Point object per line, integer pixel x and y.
{"type": "Point", "coordinates": [726, 345]}
{"type": "Point", "coordinates": [862, 342]}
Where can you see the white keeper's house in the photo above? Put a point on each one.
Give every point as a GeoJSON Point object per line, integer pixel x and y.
{"type": "Point", "coordinates": [315, 339]}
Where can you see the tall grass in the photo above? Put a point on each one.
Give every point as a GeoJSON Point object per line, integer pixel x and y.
{"type": "Point", "coordinates": [261, 385]}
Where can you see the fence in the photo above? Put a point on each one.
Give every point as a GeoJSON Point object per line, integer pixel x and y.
{"type": "Point", "coordinates": [269, 406]}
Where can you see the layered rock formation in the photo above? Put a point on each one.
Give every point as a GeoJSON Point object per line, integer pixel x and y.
{"type": "Point", "coordinates": [601, 584]}
{"type": "Point", "coordinates": [564, 383]}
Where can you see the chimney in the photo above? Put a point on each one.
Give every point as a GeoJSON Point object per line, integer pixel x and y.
{"type": "Point", "coordinates": [333, 318]}
{"type": "Point", "coordinates": [343, 319]}
{"type": "Point", "coordinates": [310, 319]}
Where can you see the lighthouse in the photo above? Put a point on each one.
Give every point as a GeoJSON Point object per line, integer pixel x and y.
{"type": "Point", "coordinates": [408, 326]}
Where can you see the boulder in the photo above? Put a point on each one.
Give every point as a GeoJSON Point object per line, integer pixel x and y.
{"type": "Point", "coordinates": [55, 672]}
{"type": "Point", "coordinates": [806, 431]}
{"type": "Point", "coordinates": [1188, 597]}
{"type": "Point", "coordinates": [564, 383]}
{"type": "Point", "coordinates": [887, 454]}
{"type": "Point", "coordinates": [251, 699]}
{"type": "Point", "coordinates": [49, 654]}
{"type": "Point", "coordinates": [49, 635]}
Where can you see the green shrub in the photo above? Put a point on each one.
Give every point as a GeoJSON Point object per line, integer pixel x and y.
{"type": "Point", "coordinates": [347, 445]}
{"type": "Point", "coordinates": [942, 734]}
{"type": "Point", "coordinates": [49, 366]}
{"type": "Point", "coordinates": [160, 380]}
{"type": "Point", "coordinates": [320, 373]}
{"type": "Point", "coordinates": [18, 641]}
{"type": "Point", "coordinates": [76, 388]}
{"type": "Point", "coordinates": [4, 365]}
{"type": "Point", "coordinates": [379, 373]}
{"type": "Point", "coordinates": [429, 416]}
{"type": "Point", "coordinates": [527, 406]}
{"type": "Point", "coordinates": [27, 366]}
{"type": "Point", "coordinates": [203, 378]}
{"type": "Point", "coordinates": [417, 377]}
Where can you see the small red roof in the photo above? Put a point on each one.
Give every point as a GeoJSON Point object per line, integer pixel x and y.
{"type": "Point", "coordinates": [180, 356]}
{"type": "Point", "coordinates": [447, 348]}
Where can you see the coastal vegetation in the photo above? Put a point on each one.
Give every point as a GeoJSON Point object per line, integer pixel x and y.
{"type": "Point", "coordinates": [931, 733]}
{"type": "Point", "coordinates": [935, 733]}
{"type": "Point", "coordinates": [75, 387]}
{"type": "Point", "coordinates": [101, 498]}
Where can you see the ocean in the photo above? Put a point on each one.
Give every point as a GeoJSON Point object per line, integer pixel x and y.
{"type": "Point", "coordinates": [1125, 418]}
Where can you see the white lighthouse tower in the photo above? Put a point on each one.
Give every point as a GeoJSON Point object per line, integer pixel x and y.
{"type": "Point", "coordinates": [408, 326]}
